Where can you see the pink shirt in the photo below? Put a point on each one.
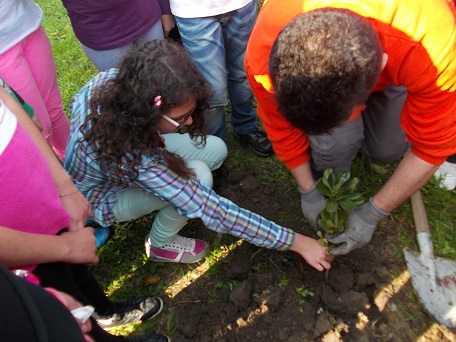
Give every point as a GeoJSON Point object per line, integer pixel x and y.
{"type": "Point", "coordinates": [29, 201]}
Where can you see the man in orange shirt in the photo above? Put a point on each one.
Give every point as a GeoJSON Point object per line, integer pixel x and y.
{"type": "Point", "coordinates": [332, 77]}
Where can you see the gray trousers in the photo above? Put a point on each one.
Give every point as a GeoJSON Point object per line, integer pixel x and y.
{"type": "Point", "coordinates": [377, 133]}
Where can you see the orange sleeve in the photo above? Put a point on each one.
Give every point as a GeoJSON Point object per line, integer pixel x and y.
{"type": "Point", "coordinates": [423, 59]}
{"type": "Point", "coordinates": [290, 144]}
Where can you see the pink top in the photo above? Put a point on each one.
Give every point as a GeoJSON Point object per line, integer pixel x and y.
{"type": "Point", "coordinates": [29, 201]}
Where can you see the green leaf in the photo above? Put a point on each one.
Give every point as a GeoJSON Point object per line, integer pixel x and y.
{"type": "Point", "coordinates": [337, 188]}
{"type": "Point", "coordinates": [331, 206]}
{"type": "Point", "coordinates": [354, 184]}
{"type": "Point", "coordinates": [344, 176]}
{"type": "Point", "coordinates": [381, 170]}
{"type": "Point", "coordinates": [343, 221]}
{"type": "Point", "coordinates": [326, 183]}
{"type": "Point", "coordinates": [322, 188]}
{"type": "Point", "coordinates": [348, 205]}
{"type": "Point", "coordinates": [352, 196]}
{"type": "Point", "coordinates": [327, 173]}
{"type": "Point", "coordinates": [324, 214]}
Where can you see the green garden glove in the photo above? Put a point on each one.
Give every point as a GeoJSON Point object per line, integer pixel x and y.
{"type": "Point", "coordinates": [312, 203]}
{"type": "Point", "coordinates": [362, 222]}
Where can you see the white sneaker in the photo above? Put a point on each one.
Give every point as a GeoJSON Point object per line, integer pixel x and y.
{"type": "Point", "coordinates": [447, 175]}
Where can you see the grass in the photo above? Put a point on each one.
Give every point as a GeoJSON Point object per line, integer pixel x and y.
{"type": "Point", "coordinates": [124, 271]}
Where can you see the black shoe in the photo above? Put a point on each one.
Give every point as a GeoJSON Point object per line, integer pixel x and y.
{"type": "Point", "coordinates": [257, 141]}
{"type": "Point", "coordinates": [150, 337]}
{"type": "Point", "coordinates": [129, 311]}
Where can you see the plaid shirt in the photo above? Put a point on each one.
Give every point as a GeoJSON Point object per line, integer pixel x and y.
{"type": "Point", "coordinates": [190, 198]}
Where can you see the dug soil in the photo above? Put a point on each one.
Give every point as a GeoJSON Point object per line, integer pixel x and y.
{"type": "Point", "coordinates": [255, 294]}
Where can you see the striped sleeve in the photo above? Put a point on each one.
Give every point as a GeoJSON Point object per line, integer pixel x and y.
{"type": "Point", "coordinates": [194, 200]}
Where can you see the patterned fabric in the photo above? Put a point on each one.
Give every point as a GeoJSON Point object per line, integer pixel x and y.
{"type": "Point", "coordinates": [419, 37]}
{"type": "Point", "coordinates": [190, 198]}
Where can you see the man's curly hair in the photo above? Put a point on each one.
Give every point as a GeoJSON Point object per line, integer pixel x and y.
{"type": "Point", "coordinates": [122, 125]}
{"type": "Point", "coordinates": [323, 64]}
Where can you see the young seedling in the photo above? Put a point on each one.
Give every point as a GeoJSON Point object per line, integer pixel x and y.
{"type": "Point", "coordinates": [341, 197]}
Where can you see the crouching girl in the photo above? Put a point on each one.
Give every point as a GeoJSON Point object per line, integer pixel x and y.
{"type": "Point", "coordinates": [125, 155]}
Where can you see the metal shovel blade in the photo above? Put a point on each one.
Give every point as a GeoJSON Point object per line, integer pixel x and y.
{"type": "Point", "coordinates": [434, 279]}
{"type": "Point", "coordinates": [435, 285]}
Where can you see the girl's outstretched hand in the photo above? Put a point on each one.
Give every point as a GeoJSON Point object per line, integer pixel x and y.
{"type": "Point", "coordinates": [312, 251]}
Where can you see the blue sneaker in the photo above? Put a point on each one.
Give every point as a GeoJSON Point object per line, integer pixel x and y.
{"type": "Point", "coordinates": [102, 235]}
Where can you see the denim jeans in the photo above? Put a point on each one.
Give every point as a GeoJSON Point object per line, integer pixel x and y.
{"type": "Point", "coordinates": [217, 46]}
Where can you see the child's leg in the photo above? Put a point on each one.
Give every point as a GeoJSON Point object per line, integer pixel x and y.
{"type": "Point", "coordinates": [134, 203]}
{"type": "Point", "coordinates": [203, 40]}
{"type": "Point", "coordinates": [15, 71]}
{"type": "Point", "coordinates": [213, 154]}
{"type": "Point", "coordinates": [38, 53]}
{"type": "Point", "coordinates": [69, 278]}
{"type": "Point", "coordinates": [236, 33]}
{"type": "Point", "coordinates": [106, 59]}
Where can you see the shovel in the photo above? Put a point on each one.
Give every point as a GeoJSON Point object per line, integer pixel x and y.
{"type": "Point", "coordinates": [433, 278]}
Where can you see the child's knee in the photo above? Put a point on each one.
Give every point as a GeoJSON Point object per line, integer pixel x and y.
{"type": "Point", "coordinates": [216, 150]}
{"type": "Point", "coordinates": [202, 171]}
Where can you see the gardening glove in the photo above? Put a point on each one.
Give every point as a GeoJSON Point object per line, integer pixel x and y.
{"type": "Point", "coordinates": [312, 203]}
{"type": "Point", "coordinates": [362, 222]}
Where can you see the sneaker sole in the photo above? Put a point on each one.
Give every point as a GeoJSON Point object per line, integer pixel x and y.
{"type": "Point", "coordinates": [158, 312]}
{"type": "Point", "coordinates": [114, 325]}
{"type": "Point", "coordinates": [260, 154]}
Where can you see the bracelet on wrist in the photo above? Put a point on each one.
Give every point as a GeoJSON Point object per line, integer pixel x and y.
{"type": "Point", "coordinates": [69, 194]}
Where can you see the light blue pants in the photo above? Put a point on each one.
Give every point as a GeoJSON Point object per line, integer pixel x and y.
{"type": "Point", "coordinates": [217, 46]}
{"type": "Point", "coordinates": [134, 203]}
{"type": "Point", "coordinates": [377, 133]}
{"type": "Point", "coordinates": [107, 59]}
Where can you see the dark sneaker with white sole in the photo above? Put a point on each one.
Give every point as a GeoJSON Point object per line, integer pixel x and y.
{"type": "Point", "coordinates": [130, 311]}
{"type": "Point", "coordinates": [257, 141]}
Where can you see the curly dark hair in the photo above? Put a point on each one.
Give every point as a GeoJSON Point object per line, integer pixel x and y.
{"type": "Point", "coordinates": [323, 64]}
{"type": "Point", "coordinates": [122, 125]}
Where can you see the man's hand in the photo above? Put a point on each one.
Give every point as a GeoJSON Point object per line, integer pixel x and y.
{"type": "Point", "coordinates": [78, 209]}
{"type": "Point", "coordinates": [362, 222]}
{"type": "Point", "coordinates": [81, 246]}
{"type": "Point", "coordinates": [312, 203]}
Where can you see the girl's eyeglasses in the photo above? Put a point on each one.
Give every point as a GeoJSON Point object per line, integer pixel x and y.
{"type": "Point", "coordinates": [184, 118]}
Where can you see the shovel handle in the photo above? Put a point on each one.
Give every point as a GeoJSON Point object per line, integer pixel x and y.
{"type": "Point", "coordinates": [419, 213]}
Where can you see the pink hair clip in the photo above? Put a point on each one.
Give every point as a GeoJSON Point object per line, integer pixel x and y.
{"type": "Point", "coordinates": [157, 101]}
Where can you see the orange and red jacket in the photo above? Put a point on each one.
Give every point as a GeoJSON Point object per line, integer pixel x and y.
{"type": "Point", "coordinates": [419, 37]}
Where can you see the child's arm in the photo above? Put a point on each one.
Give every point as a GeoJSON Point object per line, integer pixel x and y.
{"type": "Point", "coordinates": [194, 200]}
{"type": "Point", "coordinates": [72, 200]}
{"type": "Point", "coordinates": [312, 251]}
{"type": "Point", "coordinates": [21, 248]}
